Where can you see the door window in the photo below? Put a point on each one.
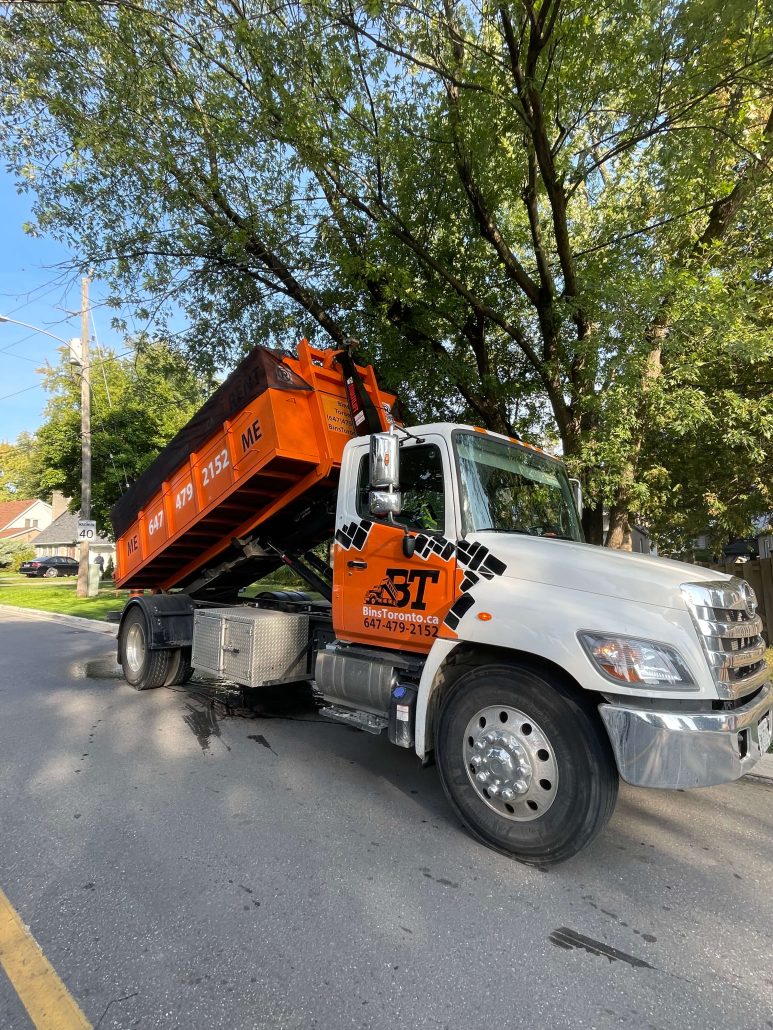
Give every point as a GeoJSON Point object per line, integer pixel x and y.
{"type": "Point", "coordinates": [422, 486]}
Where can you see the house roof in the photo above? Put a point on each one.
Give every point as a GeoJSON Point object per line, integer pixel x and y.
{"type": "Point", "coordinates": [64, 530]}
{"type": "Point", "coordinates": [7, 534]}
{"type": "Point", "coordinates": [10, 511]}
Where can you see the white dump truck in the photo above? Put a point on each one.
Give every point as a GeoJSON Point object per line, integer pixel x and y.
{"type": "Point", "coordinates": [460, 612]}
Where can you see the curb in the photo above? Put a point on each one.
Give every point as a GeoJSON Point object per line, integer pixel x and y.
{"type": "Point", "coordinates": [763, 770]}
{"type": "Point", "coordinates": [95, 625]}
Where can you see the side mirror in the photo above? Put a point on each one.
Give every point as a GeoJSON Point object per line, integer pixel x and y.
{"type": "Point", "coordinates": [577, 494]}
{"type": "Point", "coordinates": [384, 498]}
{"type": "Point", "coordinates": [384, 502]}
{"type": "Point", "coordinates": [384, 461]}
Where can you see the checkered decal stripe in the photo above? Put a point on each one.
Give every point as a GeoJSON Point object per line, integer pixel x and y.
{"type": "Point", "coordinates": [477, 561]}
{"type": "Point", "coordinates": [354, 534]}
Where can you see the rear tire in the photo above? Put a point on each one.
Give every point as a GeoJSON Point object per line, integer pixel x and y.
{"type": "Point", "coordinates": [525, 762]}
{"type": "Point", "coordinates": [51, 572]}
{"type": "Point", "coordinates": [180, 669]}
{"type": "Point", "coordinates": [143, 669]}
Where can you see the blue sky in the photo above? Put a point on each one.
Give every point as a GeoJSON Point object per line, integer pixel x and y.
{"type": "Point", "coordinates": [35, 288]}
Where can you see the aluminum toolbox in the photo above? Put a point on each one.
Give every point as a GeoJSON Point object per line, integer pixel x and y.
{"type": "Point", "coordinates": [250, 646]}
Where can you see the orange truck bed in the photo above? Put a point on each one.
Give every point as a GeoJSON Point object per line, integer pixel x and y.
{"type": "Point", "coordinates": [269, 438]}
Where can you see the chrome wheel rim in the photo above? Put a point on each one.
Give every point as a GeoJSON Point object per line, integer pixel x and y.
{"type": "Point", "coordinates": [134, 648]}
{"type": "Point", "coordinates": [510, 763]}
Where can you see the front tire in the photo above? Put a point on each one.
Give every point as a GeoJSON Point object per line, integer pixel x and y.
{"type": "Point", "coordinates": [142, 668]}
{"type": "Point", "coordinates": [525, 762]}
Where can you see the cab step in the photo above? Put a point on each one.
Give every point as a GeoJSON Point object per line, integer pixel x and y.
{"type": "Point", "coordinates": [354, 717]}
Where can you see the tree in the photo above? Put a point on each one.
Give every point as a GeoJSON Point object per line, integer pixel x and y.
{"type": "Point", "coordinates": [535, 215]}
{"type": "Point", "coordinates": [138, 404]}
{"type": "Point", "coordinates": [19, 471]}
{"type": "Point", "coordinates": [14, 552]}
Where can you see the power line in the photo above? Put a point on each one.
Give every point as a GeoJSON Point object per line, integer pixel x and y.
{"type": "Point", "coordinates": [26, 389]}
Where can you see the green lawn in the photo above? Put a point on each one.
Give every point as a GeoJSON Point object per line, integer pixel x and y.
{"type": "Point", "coordinates": [58, 595]}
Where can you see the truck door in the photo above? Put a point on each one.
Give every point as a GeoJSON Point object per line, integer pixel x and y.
{"type": "Point", "coordinates": [380, 597]}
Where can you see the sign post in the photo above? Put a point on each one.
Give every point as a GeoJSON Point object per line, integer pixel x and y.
{"type": "Point", "coordinates": [87, 533]}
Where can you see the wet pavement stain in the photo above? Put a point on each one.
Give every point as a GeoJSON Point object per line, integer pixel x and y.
{"type": "Point", "coordinates": [208, 703]}
{"type": "Point", "coordinates": [106, 668]}
{"type": "Point", "coordinates": [438, 879]}
{"type": "Point", "coordinates": [260, 739]}
{"type": "Point", "coordinates": [204, 725]}
{"type": "Point", "coordinates": [570, 940]}
{"type": "Point", "coordinates": [649, 937]}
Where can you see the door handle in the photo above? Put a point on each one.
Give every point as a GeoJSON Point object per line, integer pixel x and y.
{"type": "Point", "coordinates": [357, 564]}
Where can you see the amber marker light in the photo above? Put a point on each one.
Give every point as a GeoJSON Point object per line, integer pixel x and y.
{"type": "Point", "coordinates": [485, 616]}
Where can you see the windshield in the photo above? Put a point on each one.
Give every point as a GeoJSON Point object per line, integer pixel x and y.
{"type": "Point", "coordinates": [509, 489]}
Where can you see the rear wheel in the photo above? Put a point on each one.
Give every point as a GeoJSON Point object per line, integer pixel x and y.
{"type": "Point", "coordinates": [51, 572]}
{"type": "Point", "coordinates": [180, 669]}
{"type": "Point", "coordinates": [525, 762]}
{"type": "Point", "coordinates": [142, 668]}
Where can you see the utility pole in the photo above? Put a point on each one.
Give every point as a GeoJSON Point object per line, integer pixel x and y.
{"type": "Point", "coordinates": [83, 567]}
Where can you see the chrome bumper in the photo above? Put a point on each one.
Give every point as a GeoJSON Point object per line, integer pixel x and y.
{"type": "Point", "coordinates": [685, 749]}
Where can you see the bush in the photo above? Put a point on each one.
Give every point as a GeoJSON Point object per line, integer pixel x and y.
{"type": "Point", "coordinates": [14, 552]}
{"type": "Point", "coordinates": [109, 568]}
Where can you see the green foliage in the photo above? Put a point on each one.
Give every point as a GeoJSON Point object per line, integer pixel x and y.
{"type": "Point", "coordinates": [19, 470]}
{"type": "Point", "coordinates": [138, 403]}
{"type": "Point", "coordinates": [550, 217]}
{"type": "Point", "coordinates": [14, 552]}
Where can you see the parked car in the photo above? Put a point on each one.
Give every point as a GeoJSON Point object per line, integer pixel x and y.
{"type": "Point", "coordinates": [56, 565]}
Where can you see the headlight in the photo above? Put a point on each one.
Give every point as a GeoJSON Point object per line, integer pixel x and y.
{"type": "Point", "coordinates": [638, 662]}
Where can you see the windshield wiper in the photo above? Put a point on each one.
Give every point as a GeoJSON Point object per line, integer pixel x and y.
{"type": "Point", "coordinates": [524, 532]}
{"type": "Point", "coordinates": [495, 529]}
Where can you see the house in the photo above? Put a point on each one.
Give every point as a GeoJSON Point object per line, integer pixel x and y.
{"type": "Point", "coordinates": [23, 520]}
{"type": "Point", "coordinates": [61, 537]}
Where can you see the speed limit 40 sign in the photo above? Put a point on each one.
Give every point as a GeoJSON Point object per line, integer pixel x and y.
{"type": "Point", "coordinates": [87, 529]}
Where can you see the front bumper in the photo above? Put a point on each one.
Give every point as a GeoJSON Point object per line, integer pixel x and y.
{"type": "Point", "coordinates": [685, 749]}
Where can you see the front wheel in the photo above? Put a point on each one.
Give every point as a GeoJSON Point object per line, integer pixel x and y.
{"type": "Point", "coordinates": [142, 668]}
{"type": "Point", "coordinates": [525, 763]}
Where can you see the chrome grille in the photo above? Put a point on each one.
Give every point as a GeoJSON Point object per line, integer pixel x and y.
{"type": "Point", "coordinates": [725, 616]}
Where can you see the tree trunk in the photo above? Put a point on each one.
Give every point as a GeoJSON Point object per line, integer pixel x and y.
{"type": "Point", "coordinates": [619, 535]}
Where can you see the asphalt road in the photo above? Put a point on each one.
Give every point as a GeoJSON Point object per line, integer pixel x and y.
{"type": "Point", "coordinates": [181, 867]}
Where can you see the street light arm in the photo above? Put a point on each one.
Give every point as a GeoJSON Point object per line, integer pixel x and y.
{"type": "Point", "coordinates": [35, 328]}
